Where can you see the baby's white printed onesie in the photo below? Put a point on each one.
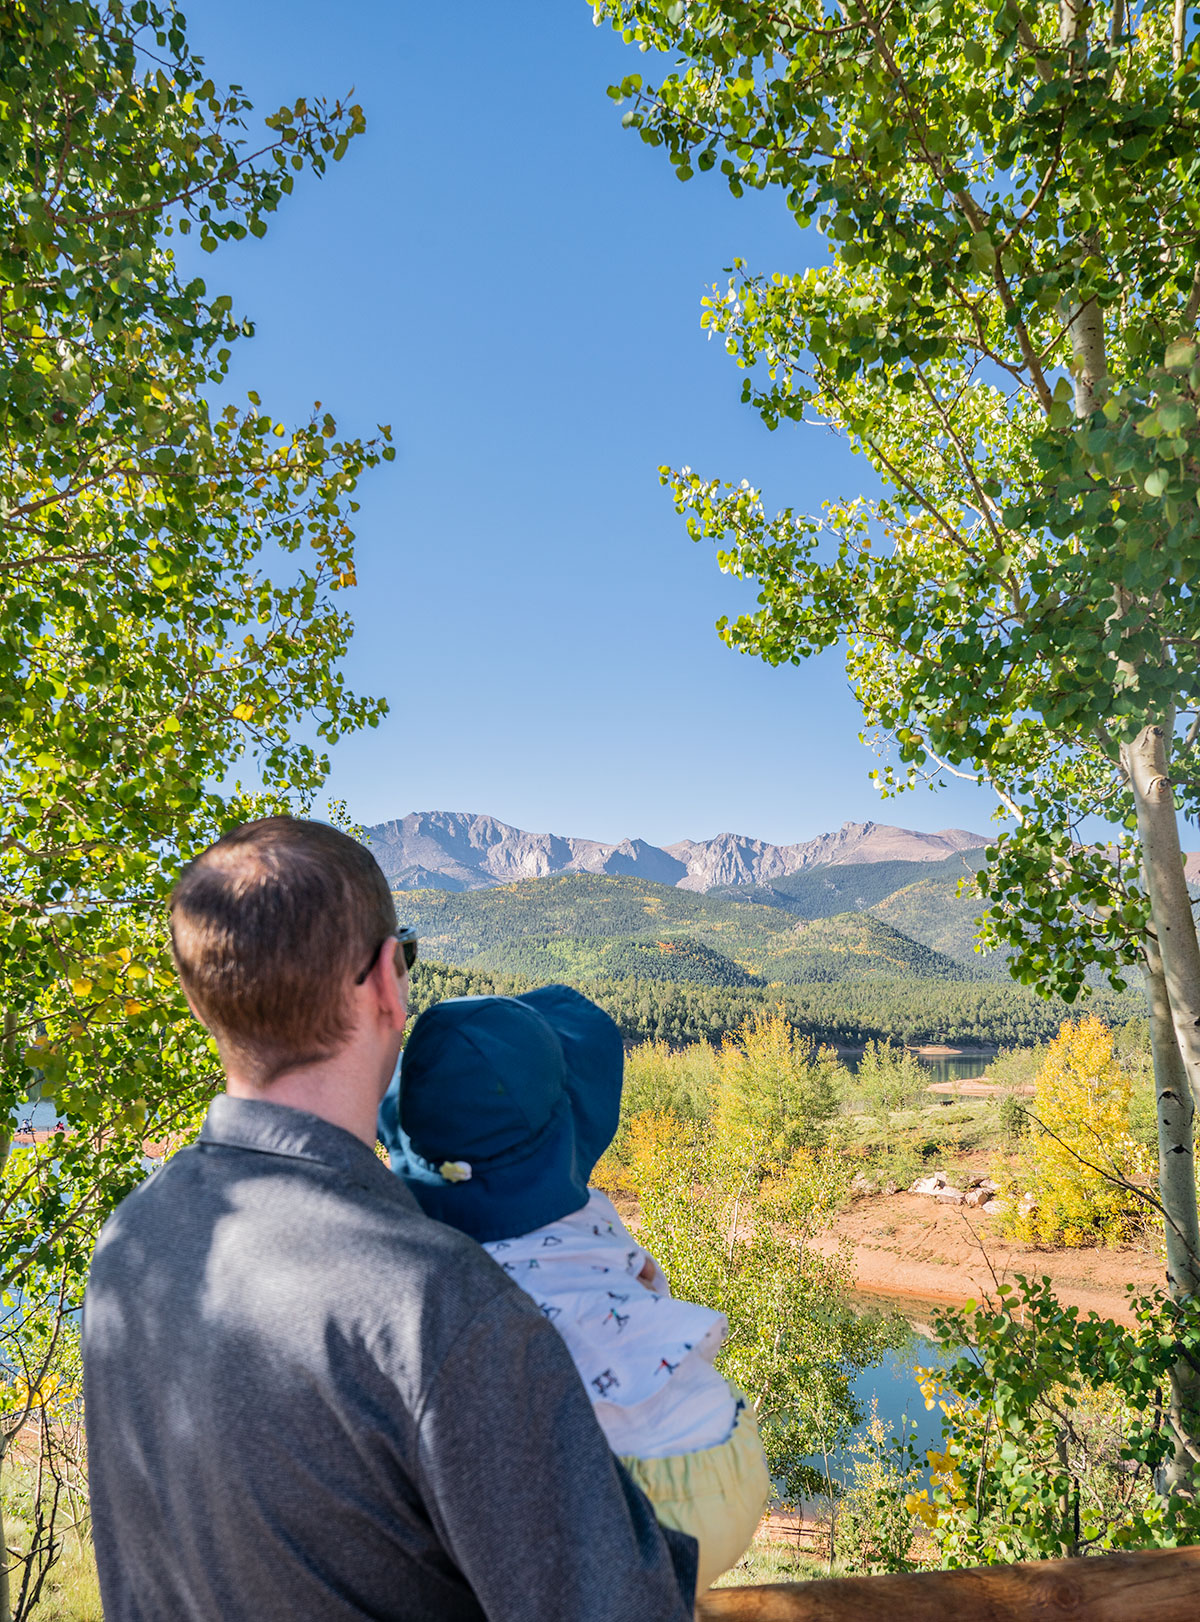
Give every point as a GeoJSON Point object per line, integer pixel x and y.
{"type": "Point", "coordinates": [644, 1357]}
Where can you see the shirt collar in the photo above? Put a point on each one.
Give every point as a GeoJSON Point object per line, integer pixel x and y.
{"type": "Point", "coordinates": [277, 1129]}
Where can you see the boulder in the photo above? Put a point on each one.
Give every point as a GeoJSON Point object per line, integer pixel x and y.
{"type": "Point", "coordinates": [928, 1185]}
{"type": "Point", "coordinates": [860, 1183]}
{"type": "Point", "coordinates": [890, 1187]}
{"type": "Point", "coordinates": [993, 1207]}
{"type": "Point", "coordinates": [980, 1193]}
{"type": "Point", "coordinates": [950, 1196]}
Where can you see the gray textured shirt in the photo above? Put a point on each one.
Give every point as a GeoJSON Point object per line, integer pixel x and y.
{"type": "Point", "coordinates": [305, 1399]}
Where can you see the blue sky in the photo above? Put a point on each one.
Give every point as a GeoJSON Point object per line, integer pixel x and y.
{"type": "Point", "coordinates": [513, 282]}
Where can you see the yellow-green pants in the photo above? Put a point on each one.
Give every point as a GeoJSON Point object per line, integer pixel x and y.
{"type": "Point", "coordinates": [717, 1494]}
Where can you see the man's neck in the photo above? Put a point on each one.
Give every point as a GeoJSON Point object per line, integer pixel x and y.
{"type": "Point", "coordinates": [330, 1090]}
{"type": "Point", "coordinates": [345, 1088]}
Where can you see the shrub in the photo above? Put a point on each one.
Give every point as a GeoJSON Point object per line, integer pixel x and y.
{"type": "Point", "coordinates": [776, 1090]}
{"type": "Point", "coordinates": [728, 1236]}
{"type": "Point", "coordinates": [901, 1165]}
{"type": "Point", "coordinates": [46, 1510]}
{"type": "Point", "coordinates": [1013, 1115]}
{"type": "Point", "coordinates": [874, 1527]}
{"type": "Point", "coordinates": [660, 1077]}
{"type": "Point", "coordinates": [890, 1079]}
{"type": "Point", "coordinates": [1053, 1430]}
{"type": "Point", "coordinates": [1079, 1149]}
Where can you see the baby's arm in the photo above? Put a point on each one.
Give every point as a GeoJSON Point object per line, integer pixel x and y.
{"type": "Point", "coordinates": [653, 1277]}
{"type": "Point", "coordinates": [713, 1341]}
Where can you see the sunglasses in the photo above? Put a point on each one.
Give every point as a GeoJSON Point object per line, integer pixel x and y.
{"type": "Point", "coordinates": [407, 939]}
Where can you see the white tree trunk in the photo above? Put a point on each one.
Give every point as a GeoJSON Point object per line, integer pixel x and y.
{"type": "Point", "coordinates": [1177, 1191]}
{"type": "Point", "coordinates": [1173, 991]}
{"type": "Point", "coordinates": [1088, 363]}
{"type": "Point", "coordinates": [1176, 1117]}
{"type": "Point", "coordinates": [1145, 760]}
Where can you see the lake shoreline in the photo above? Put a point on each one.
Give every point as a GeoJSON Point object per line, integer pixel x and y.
{"type": "Point", "coordinates": [908, 1248]}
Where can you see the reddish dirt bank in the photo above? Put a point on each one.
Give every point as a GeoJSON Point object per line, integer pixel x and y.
{"type": "Point", "coordinates": [906, 1245]}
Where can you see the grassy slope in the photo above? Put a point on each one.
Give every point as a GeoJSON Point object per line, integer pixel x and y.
{"type": "Point", "coordinates": [920, 899]}
{"type": "Point", "coordinates": [932, 912]}
{"type": "Point", "coordinates": [676, 961]}
{"type": "Point", "coordinates": [587, 925]}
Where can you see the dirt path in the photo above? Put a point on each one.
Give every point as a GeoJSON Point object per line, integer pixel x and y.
{"type": "Point", "coordinates": [906, 1245]}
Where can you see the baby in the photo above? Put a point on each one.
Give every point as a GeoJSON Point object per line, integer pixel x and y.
{"type": "Point", "coordinates": [501, 1109]}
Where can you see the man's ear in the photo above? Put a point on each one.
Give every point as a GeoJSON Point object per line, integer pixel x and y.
{"type": "Point", "coordinates": [390, 984]}
{"type": "Point", "coordinates": [196, 1014]}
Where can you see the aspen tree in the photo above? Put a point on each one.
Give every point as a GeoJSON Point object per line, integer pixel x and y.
{"type": "Point", "coordinates": [1003, 320]}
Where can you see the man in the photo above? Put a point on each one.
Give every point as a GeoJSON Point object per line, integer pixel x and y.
{"type": "Point", "coordinates": [305, 1399]}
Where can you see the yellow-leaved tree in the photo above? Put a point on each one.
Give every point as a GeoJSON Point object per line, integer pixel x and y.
{"type": "Point", "coordinates": [1080, 1149]}
{"type": "Point", "coordinates": [726, 1154]}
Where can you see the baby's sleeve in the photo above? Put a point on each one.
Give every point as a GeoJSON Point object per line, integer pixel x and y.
{"type": "Point", "coordinates": [658, 1281]}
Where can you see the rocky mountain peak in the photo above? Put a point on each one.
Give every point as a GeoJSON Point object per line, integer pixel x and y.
{"type": "Point", "coordinates": [459, 850]}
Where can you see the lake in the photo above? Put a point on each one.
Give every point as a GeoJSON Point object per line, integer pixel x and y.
{"type": "Point", "coordinates": [941, 1066]}
{"type": "Point", "coordinates": [957, 1067]}
{"type": "Point", "coordinates": [892, 1383]}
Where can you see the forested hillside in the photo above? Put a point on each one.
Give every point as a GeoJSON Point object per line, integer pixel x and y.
{"type": "Point", "coordinates": [845, 1012]}
{"type": "Point", "coordinates": [676, 965]}
{"type": "Point", "coordinates": [562, 957]}
{"type": "Point", "coordinates": [932, 912]}
{"type": "Point", "coordinates": [920, 899]}
{"type": "Point", "coordinates": [587, 925]}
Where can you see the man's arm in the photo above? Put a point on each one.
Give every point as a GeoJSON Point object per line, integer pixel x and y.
{"type": "Point", "coordinates": [525, 1494]}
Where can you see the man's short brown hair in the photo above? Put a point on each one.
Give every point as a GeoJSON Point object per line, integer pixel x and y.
{"type": "Point", "coordinates": [270, 926]}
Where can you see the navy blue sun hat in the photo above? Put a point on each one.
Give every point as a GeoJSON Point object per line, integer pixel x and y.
{"type": "Point", "coordinates": [501, 1108]}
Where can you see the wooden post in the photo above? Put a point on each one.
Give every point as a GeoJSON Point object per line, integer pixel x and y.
{"type": "Point", "coordinates": [1152, 1585]}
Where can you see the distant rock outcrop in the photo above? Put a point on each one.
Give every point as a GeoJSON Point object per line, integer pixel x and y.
{"type": "Point", "coordinates": [454, 850]}
{"type": "Point", "coordinates": [733, 859]}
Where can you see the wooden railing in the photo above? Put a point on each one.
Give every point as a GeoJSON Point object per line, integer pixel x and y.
{"type": "Point", "coordinates": [1156, 1585]}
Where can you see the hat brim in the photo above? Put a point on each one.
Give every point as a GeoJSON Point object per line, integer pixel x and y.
{"type": "Point", "coordinates": [501, 1201]}
{"type": "Point", "coordinates": [594, 1056]}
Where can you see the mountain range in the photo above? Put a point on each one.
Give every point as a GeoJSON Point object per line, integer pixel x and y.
{"type": "Point", "coordinates": [456, 850]}
{"type": "Point", "coordinates": [864, 933]}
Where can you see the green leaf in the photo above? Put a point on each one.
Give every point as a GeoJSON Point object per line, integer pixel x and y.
{"type": "Point", "coordinates": [144, 601]}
